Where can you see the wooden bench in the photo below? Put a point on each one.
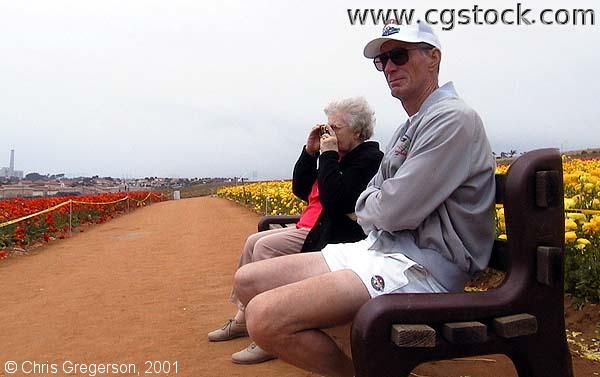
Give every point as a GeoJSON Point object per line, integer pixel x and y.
{"type": "Point", "coordinates": [522, 318]}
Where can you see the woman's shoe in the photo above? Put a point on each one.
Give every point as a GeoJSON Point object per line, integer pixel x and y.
{"type": "Point", "coordinates": [229, 330]}
{"type": "Point", "coordinates": [253, 354]}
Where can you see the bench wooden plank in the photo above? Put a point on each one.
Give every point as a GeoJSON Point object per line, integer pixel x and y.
{"type": "Point", "coordinates": [465, 332]}
{"type": "Point", "coordinates": [413, 335]}
{"type": "Point", "coordinates": [515, 325]}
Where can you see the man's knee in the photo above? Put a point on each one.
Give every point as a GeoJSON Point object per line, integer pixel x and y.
{"type": "Point", "coordinates": [245, 283]}
{"type": "Point", "coordinates": [265, 325]}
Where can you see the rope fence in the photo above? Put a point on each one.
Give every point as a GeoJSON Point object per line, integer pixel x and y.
{"type": "Point", "coordinates": [584, 211]}
{"type": "Point", "coordinates": [592, 212]}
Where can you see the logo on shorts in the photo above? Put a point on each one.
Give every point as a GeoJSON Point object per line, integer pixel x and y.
{"type": "Point", "coordinates": [377, 282]}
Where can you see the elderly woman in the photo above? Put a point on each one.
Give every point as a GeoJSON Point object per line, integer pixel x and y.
{"type": "Point", "coordinates": [346, 163]}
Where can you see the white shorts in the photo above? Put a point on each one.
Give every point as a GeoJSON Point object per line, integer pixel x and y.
{"type": "Point", "coordinates": [381, 273]}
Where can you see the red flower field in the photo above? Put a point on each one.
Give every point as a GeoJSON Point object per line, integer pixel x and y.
{"type": "Point", "coordinates": [25, 220]}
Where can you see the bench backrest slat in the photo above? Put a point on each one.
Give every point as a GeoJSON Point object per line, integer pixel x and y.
{"type": "Point", "coordinates": [500, 185]}
{"type": "Point", "coordinates": [499, 258]}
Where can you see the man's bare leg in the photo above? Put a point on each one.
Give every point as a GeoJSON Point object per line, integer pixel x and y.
{"type": "Point", "coordinates": [285, 319]}
{"type": "Point", "coordinates": [260, 276]}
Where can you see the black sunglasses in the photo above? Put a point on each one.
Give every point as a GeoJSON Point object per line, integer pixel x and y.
{"type": "Point", "coordinates": [399, 56]}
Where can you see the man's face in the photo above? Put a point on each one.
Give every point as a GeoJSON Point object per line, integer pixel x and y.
{"type": "Point", "coordinates": [411, 78]}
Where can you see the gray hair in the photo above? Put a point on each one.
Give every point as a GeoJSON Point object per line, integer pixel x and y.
{"type": "Point", "coordinates": [356, 112]}
{"type": "Point", "coordinates": [427, 47]}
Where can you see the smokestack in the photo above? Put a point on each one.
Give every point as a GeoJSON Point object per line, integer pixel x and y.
{"type": "Point", "coordinates": [12, 161]}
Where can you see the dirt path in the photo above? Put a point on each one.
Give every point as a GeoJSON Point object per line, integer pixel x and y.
{"type": "Point", "coordinates": [147, 286]}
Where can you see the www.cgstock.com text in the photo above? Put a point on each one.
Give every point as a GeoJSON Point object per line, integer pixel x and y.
{"type": "Point", "coordinates": [449, 18]}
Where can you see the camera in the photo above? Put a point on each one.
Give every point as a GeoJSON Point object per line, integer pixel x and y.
{"type": "Point", "coordinates": [323, 130]}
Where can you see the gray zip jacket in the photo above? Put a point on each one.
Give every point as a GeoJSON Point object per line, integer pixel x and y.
{"type": "Point", "coordinates": [433, 196]}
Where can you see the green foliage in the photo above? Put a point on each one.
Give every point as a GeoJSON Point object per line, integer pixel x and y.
{"type": "Point", "coordinates": [582, 270]}
{"type": "Point", "coordinates": [6, 236]}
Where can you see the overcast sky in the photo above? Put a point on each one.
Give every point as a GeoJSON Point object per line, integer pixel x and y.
{"type": "Point", "coordinates": [135, 88]}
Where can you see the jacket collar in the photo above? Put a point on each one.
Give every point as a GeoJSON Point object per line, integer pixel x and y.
{"type": "Point", "coordinates": [445, 91]}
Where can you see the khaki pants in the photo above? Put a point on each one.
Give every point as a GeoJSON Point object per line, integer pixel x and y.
{"type": "Point", "coordinates": [270, 244]}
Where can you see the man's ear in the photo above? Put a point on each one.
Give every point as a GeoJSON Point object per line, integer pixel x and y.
{"type": "Point", "coordinates": [436, 57]}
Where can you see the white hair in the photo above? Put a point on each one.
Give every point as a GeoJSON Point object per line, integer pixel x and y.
{"type": "Point", "coordinates": [356, 112]}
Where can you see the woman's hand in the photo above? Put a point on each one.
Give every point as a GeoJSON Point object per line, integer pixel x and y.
{"type": "Point", "coordinates": [329, 141]}
{"type": "Point", "coordinates": [313, 144]}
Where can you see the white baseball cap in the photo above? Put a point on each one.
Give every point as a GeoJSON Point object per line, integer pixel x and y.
{"type": "Point", "coordinates": [411, 33]}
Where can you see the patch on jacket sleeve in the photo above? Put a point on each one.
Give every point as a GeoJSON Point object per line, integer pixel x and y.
{"type": "Point", "coordinates": [402, 147]}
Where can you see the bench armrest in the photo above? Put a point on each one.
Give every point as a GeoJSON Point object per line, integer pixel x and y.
{"type": "Point", "coordinates": [265, 221]}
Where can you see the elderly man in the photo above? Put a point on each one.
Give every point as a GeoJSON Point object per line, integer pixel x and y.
{"type": "Point", "coordinates": [428, 213]}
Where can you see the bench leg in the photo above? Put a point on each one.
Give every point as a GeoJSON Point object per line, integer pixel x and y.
{"type": "Point", "coordinates": [548, 360]}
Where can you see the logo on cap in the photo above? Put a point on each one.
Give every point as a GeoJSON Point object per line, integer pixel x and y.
{"type": "Point", "coordinates": [377, 282]}
{"type": "Point", "coordinates": [390, 29]}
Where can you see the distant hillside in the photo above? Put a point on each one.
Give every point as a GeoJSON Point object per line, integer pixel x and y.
{"type": "Point", "coordinates": [584, 153]}
{"type": "Point", "coordinates": [581, 153]}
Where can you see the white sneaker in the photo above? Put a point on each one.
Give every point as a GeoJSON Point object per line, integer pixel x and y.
{"type": "Point", "coordinates": [229, 330]}
{"type": "Point", "coordinates": [253, 354]}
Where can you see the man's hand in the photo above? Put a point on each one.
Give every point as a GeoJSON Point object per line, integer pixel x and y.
{"type": "Point", "coordinates": [329, 141]}
{"type": "Point", "coordinates": [313, 143]}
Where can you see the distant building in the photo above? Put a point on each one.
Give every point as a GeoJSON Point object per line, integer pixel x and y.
{"type": "Point", "coordinates": [10, 172]}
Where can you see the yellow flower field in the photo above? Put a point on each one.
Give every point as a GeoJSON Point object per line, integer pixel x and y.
{"type": "Point", "coordinates": [582, 201]}
{"type": "Point", "coordinates": [271, 198]}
